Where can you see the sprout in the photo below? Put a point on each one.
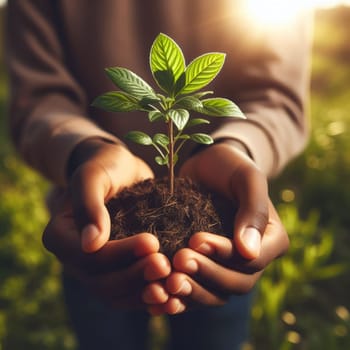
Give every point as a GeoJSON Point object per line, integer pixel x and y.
{"type": "Point", "coordinates": [180, 85]}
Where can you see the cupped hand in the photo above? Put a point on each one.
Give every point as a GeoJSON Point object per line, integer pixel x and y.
{"type": "Point", "coordinates": [214, 267]}
{"type": "Point", "coordinates": [118, 272]}
{"type": "Point", "coordinates": [100, 170]}
{"type": "Point", "coordinates": [78, 232]}
{"type": "Point", "coordinates": [225, 170]}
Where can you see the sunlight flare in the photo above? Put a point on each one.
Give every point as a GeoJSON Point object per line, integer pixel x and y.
{"type": "Point", "coordinates": [273, 12]}
{"type": "Point", "coordinates": [276, 12]}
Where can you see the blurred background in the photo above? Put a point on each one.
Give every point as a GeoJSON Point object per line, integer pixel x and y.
{"type": "Point", "coordinates": [302, 300]}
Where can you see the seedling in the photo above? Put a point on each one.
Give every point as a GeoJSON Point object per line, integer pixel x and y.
{"type": "Point", "coordinates": [181, 95]}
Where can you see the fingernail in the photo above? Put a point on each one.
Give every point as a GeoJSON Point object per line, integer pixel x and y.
{"type": "Point", "coordinates": [191, 266]}
{"type": "Point", "coordinates": [251, 238]}
{"type": "Point", "coordinates": [180, 307]}
{"type": "Point", "coordinates": [205, 249]}
{"type": "Point", "coordinates": [185, 288]}
{"type": "Point", "coordinates": [88, 235]}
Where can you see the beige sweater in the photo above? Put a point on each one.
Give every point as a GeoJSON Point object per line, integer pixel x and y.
{"type": "Point", "coordinates": [57, 52]}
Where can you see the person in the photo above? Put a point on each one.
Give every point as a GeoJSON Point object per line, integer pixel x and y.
{"type": "Point", "coordinates": [57, 51]}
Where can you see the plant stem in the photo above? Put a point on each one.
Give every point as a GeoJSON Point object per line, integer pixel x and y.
{"type": "Point", "coordinates": [171, 156]}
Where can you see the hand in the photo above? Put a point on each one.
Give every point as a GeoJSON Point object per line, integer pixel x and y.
{"type": "Point", "coordinates": [117, 272]}
{"type": "Point", "coordinates": [79, 230]}
{"type": "Point", "coordinates": [100, 170]}
{"type": "Point", "coordinates": [215, 267]}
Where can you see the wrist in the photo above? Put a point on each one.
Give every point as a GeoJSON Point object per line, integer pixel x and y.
{"type": "Point", "coordinates": [230, 142]}
{"type": "Point", "coordinates": [235, 144]}
{"type": "Point", "coordinates": [84, 151]}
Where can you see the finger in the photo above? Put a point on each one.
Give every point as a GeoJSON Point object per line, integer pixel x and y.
{"type": "Point", "coordinates": [121, 253]}
{"type": "Point", "coordinates": [174, 290]}
{"type": "Point", "coordinates": [217, 247]}
{"type": "Point", "coordinates": [89, 188]}
{"type": "Point", "coordinates": [250, 189]}
{"type": "Point", "coordinates": [125, 281]}
{"type": "Point", "coordinates": [275, 241]}
{"type": "Point", "coordinates": [181, 300]}
{"type": "Point", "coordinates": [172, 307]}
{"type": "Point", "coordinates": [154, 293]}
{"type": "Point", "coordinates": [191, 292]}
{"type": "Point", "coordinates": [213, 276]}
{"type": "Point", "coordinates": [61, 237]}
{"type": "Point", "coordinates": [221, 249]}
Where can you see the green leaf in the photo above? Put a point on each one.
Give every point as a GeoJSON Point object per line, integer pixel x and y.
{"type": "Point", "coordinates": [197, 121]}
{"type": "Point", "coordinates": [139, 137]}
{"type": "Point", "coordinates": [331, 271]}
{"type": "Point", "coordinates": [165, 80]}
{"type": "Point", "coordinates": [161, 139]}
{"type": "Point", "coordinates": [180, 117]}
{"type": "Point", "coordinates": [116, 101]}
{"type": "Point", "coordinates": [220, 107]}
{"type": "Point", "coordinates": [202, 138]}
{"type": "Point", "coordinates": [148, 103]}
{"type": "Point", "coordinates": [161, 161]}
{"type": "Point", "coordinates": [201, 71]}
{"type": "Point", "coordinates": [189, 102]}
{"type": "Point", "coordinates": [184, 137]}
{"type": "Point", "coordinates": [154, 116]}
{"type": "Point", "coordinates": [131, 83]}
{"type": "Point", "coordinates": [166, 57]}
{"type": "Point", "coordinates": [180, 83]}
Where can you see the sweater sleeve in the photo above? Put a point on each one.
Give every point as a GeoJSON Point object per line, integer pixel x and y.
{"type": "Point", "coordinates": [270, 82]}
{"type": "Point", "coordinates": [48, 108]}
{"type": "Point", "coordinates": [266, 73]}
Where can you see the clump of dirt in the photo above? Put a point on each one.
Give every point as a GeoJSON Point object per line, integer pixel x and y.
{"type": "Point", "coordinates": [148, 207]}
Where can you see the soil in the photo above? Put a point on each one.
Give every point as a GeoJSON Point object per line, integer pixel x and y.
{"type": "Point", "coordinates": [148, 207]}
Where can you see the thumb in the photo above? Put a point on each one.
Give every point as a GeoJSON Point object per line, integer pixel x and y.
{"type": "Point", "coordinates": [252, 215]}
{"type": "Point", "coordinates": [89, 186]}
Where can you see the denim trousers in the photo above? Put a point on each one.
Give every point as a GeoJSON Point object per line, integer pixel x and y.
{"type": "Point", "coordinates": [99, 327]}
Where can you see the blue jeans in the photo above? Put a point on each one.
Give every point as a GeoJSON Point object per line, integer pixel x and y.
{"type": "Point", "coordinates": [99, 327]}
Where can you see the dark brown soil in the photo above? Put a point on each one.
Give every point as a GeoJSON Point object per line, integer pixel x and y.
{"type": "Point", "coordinates": [148, 207]}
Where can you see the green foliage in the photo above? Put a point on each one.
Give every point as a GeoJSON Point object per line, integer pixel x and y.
{"type": "Point", "coordinates": [291, 284]}
{"type": "Point", "coordinates": [31, 313]}
{"type": "Point", "coordinates": [169, 70]}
